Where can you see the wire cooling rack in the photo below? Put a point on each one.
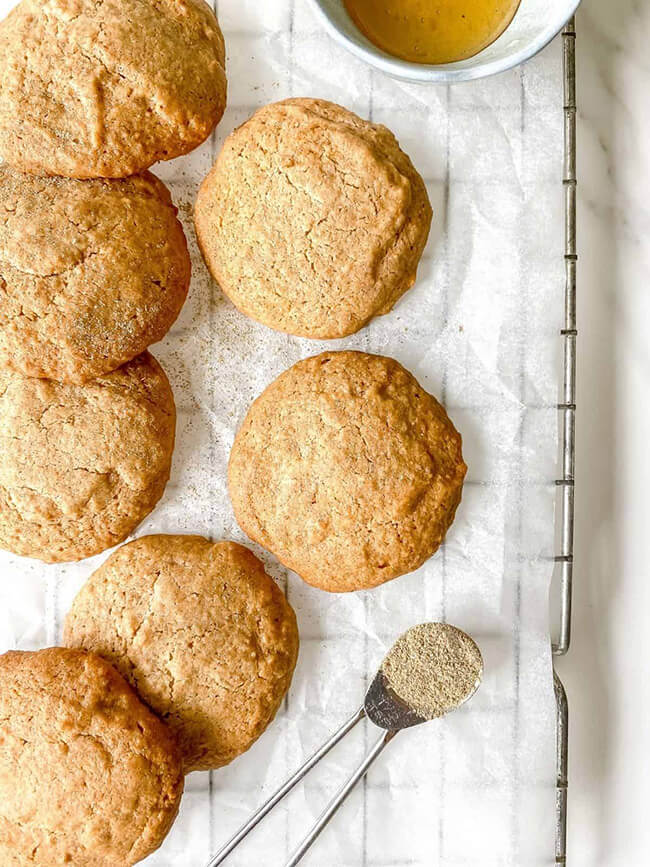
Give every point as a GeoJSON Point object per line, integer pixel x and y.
{"type": "Point", "coordinates": [567, 409]}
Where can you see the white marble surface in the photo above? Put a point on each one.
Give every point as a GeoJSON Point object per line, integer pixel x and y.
{"type": "Point", "coordinates": [606, 671]}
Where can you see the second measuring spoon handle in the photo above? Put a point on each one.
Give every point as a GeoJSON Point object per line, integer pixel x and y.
{"type": "Point", "coordinates": [267, 806]}
{"type": "Point", "coordinates": [338, 799]}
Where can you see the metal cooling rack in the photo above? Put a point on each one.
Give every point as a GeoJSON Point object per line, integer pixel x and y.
{"type": "Point", "coordinates": [567, 409]}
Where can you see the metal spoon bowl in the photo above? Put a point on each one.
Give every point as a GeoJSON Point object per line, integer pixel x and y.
{"type": "Point", "coordinates": [386, 709]}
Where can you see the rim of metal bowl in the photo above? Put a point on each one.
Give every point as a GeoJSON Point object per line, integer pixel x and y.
{"type": "Point", "coordinates": [442, 73]}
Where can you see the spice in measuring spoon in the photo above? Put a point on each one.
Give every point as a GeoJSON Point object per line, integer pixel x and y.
{"type": "Point", "coordinates": [433, 668]}
{"type": "Point", "coordinates": [432, 31]}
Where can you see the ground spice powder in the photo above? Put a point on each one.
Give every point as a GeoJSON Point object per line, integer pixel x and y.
{"type": "Point", "coordinates": [433, 667]}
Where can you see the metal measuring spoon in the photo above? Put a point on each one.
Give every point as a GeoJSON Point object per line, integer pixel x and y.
{"type": "Point", "coordinates": [383, 707]}
{"type": "Point", "coordinates": [430, 657]}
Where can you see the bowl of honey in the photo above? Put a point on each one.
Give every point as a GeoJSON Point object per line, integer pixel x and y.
{"type": "Point", "coordinates": [444, 40]}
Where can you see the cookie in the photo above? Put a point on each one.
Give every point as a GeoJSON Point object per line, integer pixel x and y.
{"type": "Point", "coordinates": [91, 272]}
{"type": "Point", "coordinates": [88, 775]}
{"type": "Point", "coordinates": [347, 470]}
{"type": "Point", "coordinates": [200, 630]}
{"type": "Point", "coordinates": [312, 220]}
{"type": "Point", "coordinates": [82, 465]}
{"type": "Point", "coordinates": [105, 88]}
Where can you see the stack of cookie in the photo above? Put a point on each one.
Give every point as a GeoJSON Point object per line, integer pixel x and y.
{"type": "Point", "coordinates": [94, 265]}
{"type": "Point", "coordinates": [179, 653]}
{"type": "Point", "coordinates": [179, 650]}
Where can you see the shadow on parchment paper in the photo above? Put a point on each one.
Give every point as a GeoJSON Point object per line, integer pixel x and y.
{"type": "Point", "coordinates": [602, 29]}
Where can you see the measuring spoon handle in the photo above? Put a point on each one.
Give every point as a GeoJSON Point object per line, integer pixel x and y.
{"type": "Point", "coordinates": [267, 806]}
{"type": "Point", "coordinates": [336, 802]}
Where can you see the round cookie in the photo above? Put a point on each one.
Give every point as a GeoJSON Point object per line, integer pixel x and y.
{"type": "Point", "coordinates": [106, 88]}
{"type": "Point", "coordinates": [82, 465]}
{"type": "Point", "coordinates": [88, 775]}
{"type": "Point", "coordinates": [200, 630]}
{"type": "Point", "coordinates": [312, 220]}
{"type": "Point", "coordinates": [91, 272]}
{"type": "Point", "coordinates": [347, 470]}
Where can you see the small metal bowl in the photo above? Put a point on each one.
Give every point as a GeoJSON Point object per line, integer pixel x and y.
{"type": "Point", "coordinates": [536, 22]}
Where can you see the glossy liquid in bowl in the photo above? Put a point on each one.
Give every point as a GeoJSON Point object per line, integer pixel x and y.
{"type": "Point", "coordinates": [432, 31]}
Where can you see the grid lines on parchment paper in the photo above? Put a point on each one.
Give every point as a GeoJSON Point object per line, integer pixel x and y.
{"type": "Point", "coordinates": [523, 320]}
{"type": "Point", "coordinates": [287, 766]}
{"type": "Point", "coordinates": [366, 613]}
{"type": "Point", "coordinates": [212, 453]}
{"type": "Point", "coordinates": [52, 609]}
{"type": "Point", "coordinates": [443, 397]}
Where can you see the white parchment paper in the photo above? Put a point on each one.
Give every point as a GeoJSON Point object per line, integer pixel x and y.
{"type": "Point", "coordinates": [480, 332]}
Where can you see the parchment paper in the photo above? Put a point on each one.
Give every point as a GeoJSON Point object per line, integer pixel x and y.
{"type": "Point", "coordinates": [480, 331]}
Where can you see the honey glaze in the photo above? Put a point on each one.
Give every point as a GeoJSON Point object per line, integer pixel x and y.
{"type": "Point", "coordinates": [432, 31]}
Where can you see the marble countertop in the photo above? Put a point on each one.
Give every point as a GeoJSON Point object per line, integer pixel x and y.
{"type": "Point", "coordinates": [606, 671]}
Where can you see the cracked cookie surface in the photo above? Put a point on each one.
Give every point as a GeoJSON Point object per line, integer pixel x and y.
{"type": "Point", "coordinates": [91, 272]}
{"type": "Point", "coordinates": [312, 220]}
{"type": "Point", "coordinates": [82, 465]}
{"type": "Point", "coordinates": [200, 630]}
{"type": "Point", "coordinates": [347, 470]}
{"type": "Point", "coordinates": [88, 775]}
{"type": "Point", "coordinates": [106, 88]}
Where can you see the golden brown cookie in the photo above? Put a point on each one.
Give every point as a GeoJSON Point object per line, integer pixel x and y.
{"type": "Point", "coordinates": [312, 220]}
{"type": "Point", "coordinates": [91, 272]}
{"type": "Point", "coordinates": [82, 465]}
{"type": "Point", "coordinates": [105, 88]}
{"type": "Point", "coordinates": [88, 775]}
{"type": "Point", "coordinates": [347, 470]}
{"type": "Point", "coordinates": [200, 630]}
